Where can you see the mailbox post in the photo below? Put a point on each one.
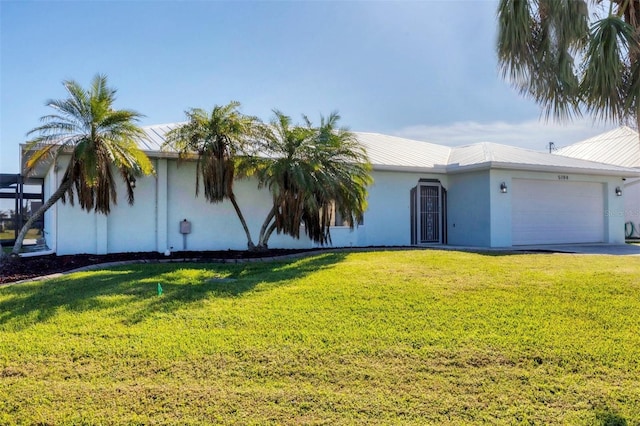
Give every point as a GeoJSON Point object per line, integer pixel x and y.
{"type": "Point", "coordinates": [185, 228]}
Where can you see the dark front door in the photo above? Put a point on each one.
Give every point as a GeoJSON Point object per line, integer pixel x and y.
{"type": "Point", "coordinates": [429, 215]}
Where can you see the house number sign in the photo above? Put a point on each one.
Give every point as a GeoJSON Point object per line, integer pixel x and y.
{"type": "Point", "coordinates": [563, 177]}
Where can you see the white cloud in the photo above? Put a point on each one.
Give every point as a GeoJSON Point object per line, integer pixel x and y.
{"type": "Point", "coordinates": [531, 134]}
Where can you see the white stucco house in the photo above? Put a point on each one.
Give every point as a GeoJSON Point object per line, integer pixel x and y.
{"type": "Point", "coordinates": [620, 147]}
{"type": "Point", "coordinates": [482, 195]}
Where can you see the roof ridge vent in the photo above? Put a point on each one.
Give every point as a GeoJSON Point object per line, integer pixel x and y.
{"type": "Point", "coordinates": [488, 153]}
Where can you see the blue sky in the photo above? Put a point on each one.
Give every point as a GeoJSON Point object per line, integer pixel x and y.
{"type": "Point", "coordinates": [425, 70]}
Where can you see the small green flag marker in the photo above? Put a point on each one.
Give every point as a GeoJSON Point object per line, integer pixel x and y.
{"type": "Point", "coordinates": [159, 290]}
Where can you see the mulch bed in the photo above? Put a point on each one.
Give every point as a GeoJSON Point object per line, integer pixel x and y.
{"type": "Point", "coordinates": [23, 268]}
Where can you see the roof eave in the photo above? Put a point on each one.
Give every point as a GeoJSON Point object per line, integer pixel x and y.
{"type": "Point", "coordinates": [438, 169]}
{"type": "Point", "coordinates": [487, 165]}
{"type": "Point", "coordinates": [40, 171]}
{"type": "Point", "coordinates": [457, 168]}
{"type": "Point", "coordinates": [161, 154]}
{"type": "Point", "coordinates": [618, 172]}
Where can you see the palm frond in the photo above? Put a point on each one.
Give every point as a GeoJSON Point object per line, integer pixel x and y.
{"type": "Point", "coordinates": [219, 139]}
{"type": "Point", "coordinates": [38, 156]}
{"type": "Point", "coordinates": [603, 85]}
{"type": "Point", "coordinates": [550, 53]}
{"type": "Point", "coordinates": [98, 138]}
{"type": "Point", "coordinates": [537, 45]}
{"type": "Point", "coordinates": [311, 169]}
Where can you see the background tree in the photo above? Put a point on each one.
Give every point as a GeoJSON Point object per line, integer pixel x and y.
{"type": "Point", "coordinates": [98, 139]}
{"type": "Point", "coordinates": [311, 173]}
{"type": "Point", "coordinates": [218, 140]}
{"type": "Point", "coordinates": [572, 56]}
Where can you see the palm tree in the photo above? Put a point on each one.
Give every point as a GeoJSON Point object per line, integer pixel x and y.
{"type": "Point", "coordinates": [553, 53]}
{"type": "Point", "coordinates": [98, 139]}
{"type": "Point", "coordinates": [218, 140]}
{"type": "Point", "coordinates": [312, 172]}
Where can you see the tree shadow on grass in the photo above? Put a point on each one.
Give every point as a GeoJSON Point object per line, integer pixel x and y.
{"type": "Point", "coordinates": [610, 418]}
{"type": "Point", "coordinates": [119, 288]}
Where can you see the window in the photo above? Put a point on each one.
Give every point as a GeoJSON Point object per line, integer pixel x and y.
{"type": "Point", "coordinates": [339, 220]}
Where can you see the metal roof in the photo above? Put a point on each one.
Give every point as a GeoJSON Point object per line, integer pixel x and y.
{"type": "Point", "coordinates": [395, 153]}
{"type": "Point", "coordinates": [400, 154]}
{"type": "Point", "coordinates": [387, 152]}
{"type": "Point", "coordinates": [496, 156]}
{"type": "Point", "coordinates": [620, 147]}
{"type": "Point", "coordinates": [156, 137]}
{"type": "Point", "coordinates": [383, 150]}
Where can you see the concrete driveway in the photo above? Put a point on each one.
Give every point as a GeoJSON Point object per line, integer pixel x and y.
{"type": "Point", "coordinates": [611, 249]}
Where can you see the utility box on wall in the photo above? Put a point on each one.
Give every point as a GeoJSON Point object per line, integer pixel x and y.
{"type": "Point", "coordinates": [185, 227]}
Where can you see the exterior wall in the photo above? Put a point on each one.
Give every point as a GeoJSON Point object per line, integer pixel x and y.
{"type": "Point", "coordinates": [161, 206]}
{"type": "Point", "coordinates": [161, 202]}
{"type": "Point", "coordinates": [132, 228]}
{"type": "Point", "coordinates": [207, 220]}
{"type": "Point", "coordinates": [469, 209]}
{"type": "Point", "coordinates": [50, 222]}
{"type": "Point", "coordinates": [478, 214]}
{"type": "Point", "coordinates": [500, 208]}
{"type": "Point", "coordinates": [387, 221]}
{"type": "Point", "coordinates": [216, 226]}
{"type": "Point", "coordinates": [631, 194]}
{"type": "Point", "coordinates": [76, 229]}
{"type": "Point", "coordinates": [127, 228]}
{"type": "Point", "coordinates": [152, 223]}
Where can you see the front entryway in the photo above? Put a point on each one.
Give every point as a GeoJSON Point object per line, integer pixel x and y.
{"type": "Point", "coordinates": [427, 212]}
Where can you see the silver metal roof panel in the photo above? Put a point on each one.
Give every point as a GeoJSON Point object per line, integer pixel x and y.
{"type": "Point", "coordinates": [396, 153]}
{"type": "Point", "coordinates": [620, 147]}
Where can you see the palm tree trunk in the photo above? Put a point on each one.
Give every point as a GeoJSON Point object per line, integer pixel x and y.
{"type": "Point", "coordinates": [263, 237]}
{"type": "Point", "coordinates": [37, 215]}
{"type": "Point", "coordinates": [250, 244]}
{"type": "Point", "coordinates": [268, 234]}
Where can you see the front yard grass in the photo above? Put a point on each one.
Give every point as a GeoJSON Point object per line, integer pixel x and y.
{"type": "Point", "coordinates": [389, 337]}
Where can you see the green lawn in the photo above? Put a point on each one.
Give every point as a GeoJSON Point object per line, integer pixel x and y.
{"type": "Point", "coordinates": [396, 337]}
{"type": "Point", "coordinates": [7, 235]}
{"type": "Point", "coordinates": [10, 234]}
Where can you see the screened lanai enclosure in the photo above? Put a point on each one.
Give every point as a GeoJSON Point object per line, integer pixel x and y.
{"type": "Point", "coordinates": [19, 198]}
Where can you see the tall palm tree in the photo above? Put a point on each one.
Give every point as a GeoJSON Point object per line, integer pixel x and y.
{"type": "Point", "coordinates": [218, 140]}
{"type": "Point", "coordinates": [312, 172]}
{"type": "Point", "coordinates": [572, 56]}
{"type": "Point", "coordinates": [98, 138]}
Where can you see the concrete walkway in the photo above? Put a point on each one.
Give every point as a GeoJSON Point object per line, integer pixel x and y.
{"type": "Point", "coordinates": [594, 248]}
{"type": "Point", "coordinates": [610, 249]}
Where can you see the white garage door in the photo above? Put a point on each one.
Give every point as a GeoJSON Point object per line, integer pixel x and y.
{"type": "Point", "coordinates": [556, 212]}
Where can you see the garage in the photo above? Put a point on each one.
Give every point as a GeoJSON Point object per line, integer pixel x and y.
{"type": "Point", "coordinates": [557, 212]}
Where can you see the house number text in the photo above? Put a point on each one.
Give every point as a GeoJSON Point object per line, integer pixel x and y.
{"type": "Point", "coordinates": [563, 177]}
